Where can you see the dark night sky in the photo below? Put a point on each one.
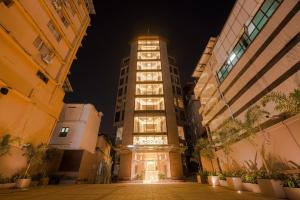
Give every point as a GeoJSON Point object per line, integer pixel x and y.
{"type": "Point", "coordinates": [186, 25]}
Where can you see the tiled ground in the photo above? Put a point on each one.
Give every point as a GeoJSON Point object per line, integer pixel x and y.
{"type": "Point", "coordinates": [129, 191]}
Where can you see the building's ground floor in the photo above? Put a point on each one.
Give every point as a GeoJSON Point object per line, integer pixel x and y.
{"type": "Point", "coordinates": [149, 165]}
{"type": "Point", "coordinates": [130, 191]}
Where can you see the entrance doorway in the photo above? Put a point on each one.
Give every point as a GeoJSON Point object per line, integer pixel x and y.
{"type": "Point", "coordinates": [151, 172]}
{"type": "Point", "coordinates": [150, 167]}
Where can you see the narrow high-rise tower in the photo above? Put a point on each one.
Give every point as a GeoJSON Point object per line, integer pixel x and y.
{"type": "Point", "coordinates": [149, 114]}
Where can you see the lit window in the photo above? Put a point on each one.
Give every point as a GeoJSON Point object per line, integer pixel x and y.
{"type": "Point", "coordinates": [149, 103]}
{"type": "Point", "coordinates": [148, 76]}
{"type": "Point", "coordinates": [150, 124]}
{"type": "Point", "coordinates": [181, 132]}
{"type": "Point", "coordinates": [148, 65]}
{"type": "Point", "coordinates": [119, 135]}
{"type": "Point", "coordinates": [63, 131]}
{"type": "Point", "coordinates": [149, 89]}
{"type": "Point", "coordinates": [254, 27]}
{"type": "Point", "coordinates": [150, 140]}
{"type": "Point", "coordinates": [149, 42]}
{"type": "Point", "coordinates": [148, 55]}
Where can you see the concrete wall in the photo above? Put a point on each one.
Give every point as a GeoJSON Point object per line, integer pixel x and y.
{"type": "Point", "coordinates": [277, 142]}
{"type": "Point", "coordinates": [31, 108]}
{"type": "Point", "coordinates": [83, 121]}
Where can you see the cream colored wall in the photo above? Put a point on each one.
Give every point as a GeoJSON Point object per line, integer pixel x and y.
{"type": "Point", "coordinates": [276, 140]}
{"type": "Point", "coordinates": [285, 63]}
{"type": "Point", "coordinates": [83, 121]}
{"type": "Point", "coordinates": [31, 108]}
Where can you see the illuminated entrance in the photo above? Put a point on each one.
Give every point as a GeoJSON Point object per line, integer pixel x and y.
{"type": "Point", "coordinates": [150, 167]}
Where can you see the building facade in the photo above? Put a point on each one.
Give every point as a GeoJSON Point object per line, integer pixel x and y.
{"type": "Point", "coordinates": [256, 53]}
{"type": "Point", "coordinates": [39, 41]}
{"type": "Point", "coordinates": [149, 113]}
{"type": "Point", "coordinates": [85, 154]}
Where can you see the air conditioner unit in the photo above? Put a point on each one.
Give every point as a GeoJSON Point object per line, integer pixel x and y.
{"type": "Point", "coordinates": [48, 58]}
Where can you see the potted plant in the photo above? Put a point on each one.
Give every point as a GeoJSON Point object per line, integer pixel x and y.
{"type": "Point", "coordinates": [270, 184]}
{"type": "Point", "coordinates": [250, 182]}
{"type": "Point", "coordinates": [202, 177]}
{"type": "Point", "coordinates": [33, 156]}
{"type": "Point", "coordinates": [213, 178]}
{"type": "Point", "coordinates": [47, 158]}
{"type": "Point", "coordinates": [6, 182]}
{"type": "Point", "coordinates": [222, 179]}
{"type": "Point", "coordinates": [291, 186]}
{"type": "Point", "coordinates": [234, 180]}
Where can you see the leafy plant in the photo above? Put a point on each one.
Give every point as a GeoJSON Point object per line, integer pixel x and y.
{"type": "Point", "coordinates": [34, 155]}
{"type": "Point", "coordinates": [252, 165]}
{"type": "Point", "coordinates": [289, 104]}
{"type": "Point", "coordinates": [228, 134]}
{"type": "Point", "coordinates": [292, 182]}
{"type": "Point", "coordinates": [222, 176]}
{"type": "Point", "coordinates": [235, 173]}
{"type": "Point", "coordinates": [47, 157]}
{"type": "Point", "coordinates": [5, 144]}
{"type": "Point", "coordinates": [206, 149]}
{"type": "Point", "coordinates": [212, 173]}
{"type": "Point", "coordinates": [263, 174]}
{"type": "Point", "coordinates": [161, 176]}
{"type": "Point", "coordinates": [249, 178]}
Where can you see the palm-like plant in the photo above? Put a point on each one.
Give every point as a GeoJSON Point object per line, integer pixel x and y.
{"type": "Point", "coordinates": [228, 134]}
{"type": "Point", "coordinates": [47, 157]}
{"type": "Point", "coordinates": [206, 149]}
{"type": "Point", "coordinates": [6, 143]}
{"type": "Point", "coordinates": [34, 155]}
{"type": "Point", "coordinates": [289, 104]}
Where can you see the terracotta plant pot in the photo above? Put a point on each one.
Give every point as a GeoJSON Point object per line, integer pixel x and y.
{"type": "Point", "coordinates": [247, 187]}
{"type": "Point", "coordinates": [271, 187]}
{"type": "Point", "coordinates": [223, 183]}
{"type": "Point", "coordinates": [23, 182]}
{"type": "Point", "coordinates": [251, 187]}
{"type": "Point", "coordinates": [213, 180]}
{"type": "Point", "coordinates": [292, 193]}
{"type": "Point", "coordinates": [44, 181]}
{"type": "Point", "coordinates": [256, 188]}
{"type": "Point", "coordinates": [201, 179]}
{"type": "Point", "coordinates": [235, 183]}
{"type": "Point", "coordinates": [8, 185]}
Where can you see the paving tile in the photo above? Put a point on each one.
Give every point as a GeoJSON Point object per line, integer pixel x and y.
{"type": "Point", "coordinates": [178, 191]}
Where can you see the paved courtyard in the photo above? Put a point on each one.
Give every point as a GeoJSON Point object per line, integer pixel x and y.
{"type": "Point", "coordinates": [130, 192]}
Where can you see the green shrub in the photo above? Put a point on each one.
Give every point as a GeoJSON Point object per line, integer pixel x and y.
{"type": "Point", "coordinates": [292, 182]}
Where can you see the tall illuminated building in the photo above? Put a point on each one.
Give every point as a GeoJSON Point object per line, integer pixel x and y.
{"type": "Point", "coordinates": [149, 114]}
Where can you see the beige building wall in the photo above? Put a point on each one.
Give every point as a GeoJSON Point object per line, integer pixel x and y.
{"type": "Point", "coordinates": [39, 41]}
{"type": "Point", "coordinates": [269, 63]}
{"type": "Point", "coordinates": [83, 123]}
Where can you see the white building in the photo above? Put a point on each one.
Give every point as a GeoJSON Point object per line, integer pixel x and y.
{"type": "Point", "coordinates": [77, 128]}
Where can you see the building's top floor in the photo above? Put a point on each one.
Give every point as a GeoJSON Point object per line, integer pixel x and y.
{"type": "Point", "coordinates": [79, 112]}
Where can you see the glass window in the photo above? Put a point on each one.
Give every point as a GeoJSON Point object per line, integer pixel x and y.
{"type": "Point", "coordinates": [252, 30]}
{"type": "Point", "coordinates": [148, 76]}
{"type": "Point", "coordinates": [64, 132]}
{"type": "Point", "coordinates": [54, 31]}
{"type": "Point", "coordinates": [148, 65]}
{"type": "Point", "coordinates": [149, 55]}
{"type": "Point", "coordinates": [180, 132]}
{"type": "Point", "coordinates": [150, 124]}
{"type": "Point", "coordinates": [150, 103]}
{"type": "Point", "coordinates": [149, 89]}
